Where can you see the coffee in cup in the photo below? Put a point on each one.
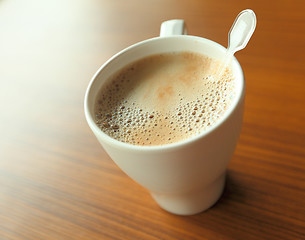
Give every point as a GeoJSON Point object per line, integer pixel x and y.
{"type": "Point", "coordinates": [163, 98]}
{"type": "Point", "coordinates": [187, 175]}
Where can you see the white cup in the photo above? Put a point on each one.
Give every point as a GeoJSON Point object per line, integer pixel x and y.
{"type": "Point", "coordinates": [186, 177]}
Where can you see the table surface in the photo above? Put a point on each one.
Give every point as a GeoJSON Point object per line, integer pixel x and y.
{"type": "Point", "coordinates": [56, 181]}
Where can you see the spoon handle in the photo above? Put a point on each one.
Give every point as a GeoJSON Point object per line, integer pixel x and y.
{"type": "Point", "coordinates": [241, 30]}
{"type": "Point", "coordinates": [238, 37]}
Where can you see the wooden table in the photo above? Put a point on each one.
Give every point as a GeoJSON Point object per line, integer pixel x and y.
{"type": "Point", "coordinates": [56, 182]}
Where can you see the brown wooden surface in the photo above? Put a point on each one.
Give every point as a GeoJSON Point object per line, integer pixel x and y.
{"type": "Point", "coordinates": [56, 182]}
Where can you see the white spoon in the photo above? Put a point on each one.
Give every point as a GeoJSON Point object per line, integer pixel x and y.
{"type": "Point", "coordinates": [238, 37]}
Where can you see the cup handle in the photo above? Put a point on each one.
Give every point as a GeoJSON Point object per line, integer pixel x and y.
{"type": "Point", "coordinates": [173, 27]}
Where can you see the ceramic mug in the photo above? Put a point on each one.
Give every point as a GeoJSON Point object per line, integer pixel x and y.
{"type": "Point", "coordinates": [185, 177]}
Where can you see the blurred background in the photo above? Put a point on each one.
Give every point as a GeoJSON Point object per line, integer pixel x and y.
{"type": "Point", "coordinates": [56, 182]}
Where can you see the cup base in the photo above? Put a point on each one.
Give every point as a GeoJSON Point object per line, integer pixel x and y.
{"type": "Point", "coordinates": [191, 203]}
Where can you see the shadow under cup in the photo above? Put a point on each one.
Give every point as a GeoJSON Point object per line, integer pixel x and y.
{"type": "Point", "coordinates": [185, 177]}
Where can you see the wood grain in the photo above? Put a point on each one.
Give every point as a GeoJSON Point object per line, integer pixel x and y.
{"type": "Point", "coordinates": [56, 182]}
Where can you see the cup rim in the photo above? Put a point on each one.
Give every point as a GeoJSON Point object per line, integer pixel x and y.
{"type": "Point", "coordinates": [170, 146]}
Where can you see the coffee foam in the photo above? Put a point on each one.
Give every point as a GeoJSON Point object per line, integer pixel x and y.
{"type": "Point", "coordinates": [163, 99]}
